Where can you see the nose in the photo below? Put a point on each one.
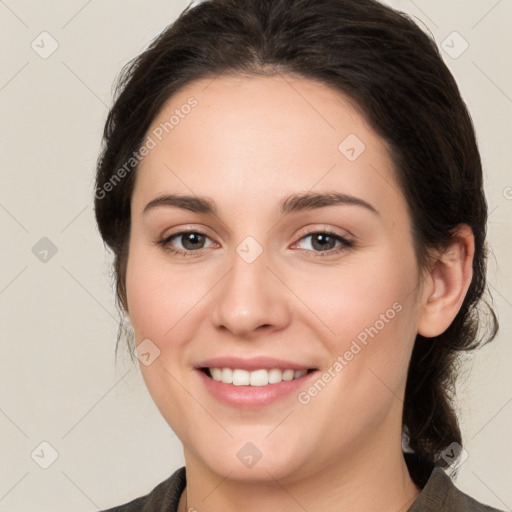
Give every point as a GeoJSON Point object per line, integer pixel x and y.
{"type": "Point", "coordinates": [251, 299]}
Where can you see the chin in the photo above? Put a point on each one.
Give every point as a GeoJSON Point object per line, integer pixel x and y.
{"type": "Point", "coordinates": [257, 462]}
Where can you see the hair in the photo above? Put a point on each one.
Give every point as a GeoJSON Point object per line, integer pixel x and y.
{"type": "Point", "coordinates": [393, 72]}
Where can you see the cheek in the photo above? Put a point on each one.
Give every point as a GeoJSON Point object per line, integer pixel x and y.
{"type": "Point", "coordinates": [352, 297]}
{"type": "Point", "coordinates": [161, 306]}
{"type": "Point", "coordinates": [144, 295]}
{"type": "Point", "coordinates": [158, 297]}
{"type": "Point", "coordinates": [366, 315]}
{"type": "Point", "coordinates": [365, 318]}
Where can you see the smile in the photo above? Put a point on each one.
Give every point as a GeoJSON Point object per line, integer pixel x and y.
{"type": "Point", "coordinates": [260, 377]}
{"type": "Point", "coordinates": [245, 389]}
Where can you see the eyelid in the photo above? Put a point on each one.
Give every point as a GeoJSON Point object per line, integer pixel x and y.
{"type": "Point", "coordinates": [322, 228]}
{"type": "Point", "coordinates": [186, 228]}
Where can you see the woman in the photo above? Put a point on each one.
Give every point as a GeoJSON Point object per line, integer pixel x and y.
{"type": "Point", "coordinates": [293, 194]}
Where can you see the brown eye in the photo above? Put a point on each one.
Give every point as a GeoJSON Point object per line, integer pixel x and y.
{"type": "Point", "coordinates": [192, 240]}
{"type": "Point", "coordinates": [186, 242]}
{"type": "Point", "coordinates": [325, 242]}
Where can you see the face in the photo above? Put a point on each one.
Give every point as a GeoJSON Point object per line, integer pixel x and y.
{"type": "Point", "coordinates": [294, 243]}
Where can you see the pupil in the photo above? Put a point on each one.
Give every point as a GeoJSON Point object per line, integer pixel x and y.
{"type": "Point", "coordinates": [191, 240]}
{"type": "Point", "coordinates": [325, 240]}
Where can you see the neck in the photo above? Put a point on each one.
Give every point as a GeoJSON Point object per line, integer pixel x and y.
{"type": "Point", "coordinates": [374, 481]}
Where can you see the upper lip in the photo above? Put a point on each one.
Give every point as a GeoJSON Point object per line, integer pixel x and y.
{"type": "Point", "coordinates": [253, 363]}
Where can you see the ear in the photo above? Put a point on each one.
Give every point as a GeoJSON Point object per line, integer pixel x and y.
{"type": "Point", "coordinates": [446, 283]}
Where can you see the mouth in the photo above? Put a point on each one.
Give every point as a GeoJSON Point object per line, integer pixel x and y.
{"type": "Point", "coordinates": [255, 378]}
{"type": "Point", "coordinates": [255, 382]}
{"type": "Point", "coordinates": [254, 389]}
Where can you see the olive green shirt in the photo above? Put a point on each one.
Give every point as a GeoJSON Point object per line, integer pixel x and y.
{"type": "Point", "coordinates": [438, 493]}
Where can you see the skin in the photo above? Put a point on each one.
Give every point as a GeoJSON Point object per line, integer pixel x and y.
{"type": "Point", "coordinates": [249, 143]}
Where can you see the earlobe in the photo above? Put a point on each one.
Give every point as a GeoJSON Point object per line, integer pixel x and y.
{"type": "Point", "coordinates": [446, 283]}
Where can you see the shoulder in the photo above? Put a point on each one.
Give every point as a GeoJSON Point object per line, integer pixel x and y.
{"type": "Point", "coordinates": [440, 494]}
{"type": "Point", "coordinates": [165, 496]}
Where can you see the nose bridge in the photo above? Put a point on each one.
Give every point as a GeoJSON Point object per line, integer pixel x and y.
{"type": "Point", "coordinates": [250, 296]}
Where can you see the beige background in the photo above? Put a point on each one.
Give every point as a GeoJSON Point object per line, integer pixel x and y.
{"type": "Point", "coordinates": [59, 382]}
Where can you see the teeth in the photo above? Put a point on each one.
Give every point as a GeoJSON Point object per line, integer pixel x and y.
{"type": "Point", "coordinates": [288, 375]}
{"type": "Point", "coordinates": [239, 377]}
{"type": "Point", "coordinates": [257, 377]}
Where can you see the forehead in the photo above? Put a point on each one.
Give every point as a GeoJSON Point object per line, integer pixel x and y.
{"type": "Point", "coordinates": [248, 137]}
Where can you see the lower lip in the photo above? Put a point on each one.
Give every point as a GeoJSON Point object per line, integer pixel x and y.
{"type": "Point", "coordinates": [248, 397]}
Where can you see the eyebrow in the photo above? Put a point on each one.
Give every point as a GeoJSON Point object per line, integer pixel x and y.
{"type": "Point", "coordinates": [292, 203]}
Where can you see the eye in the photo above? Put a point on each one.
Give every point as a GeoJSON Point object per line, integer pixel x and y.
{"type": "Point", "coordinates": [186, 242]}
{"type": "Point", "coordinates": [191, 243]}
{"type": "Point", "coordinates": [324, 242]}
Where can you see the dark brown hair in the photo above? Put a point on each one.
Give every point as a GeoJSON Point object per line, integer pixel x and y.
{"type": "Point", "coordinates": [393, 72]}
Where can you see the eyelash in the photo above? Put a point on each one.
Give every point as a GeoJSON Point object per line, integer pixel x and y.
{"type": "Point", "coordinates": [345, 244]}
